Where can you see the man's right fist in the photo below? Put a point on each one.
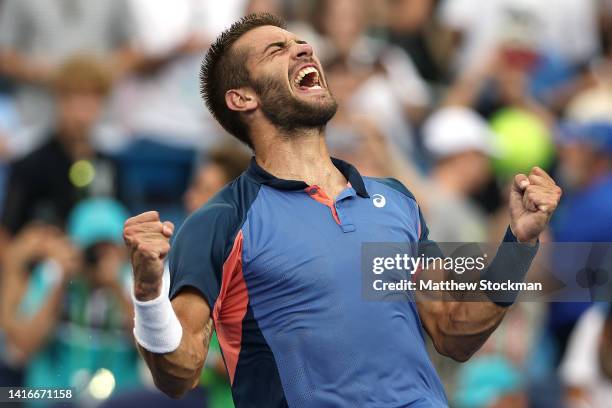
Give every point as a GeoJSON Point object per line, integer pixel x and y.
{"type": "Point", "coordinates": [148, 240]}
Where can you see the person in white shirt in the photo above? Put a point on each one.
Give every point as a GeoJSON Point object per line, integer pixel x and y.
{"type": "Point", "coordinates": [586, 369]}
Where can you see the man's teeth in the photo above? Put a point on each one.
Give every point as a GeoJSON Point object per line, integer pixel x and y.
{"type": "Point", "coordinates": [305, 71]}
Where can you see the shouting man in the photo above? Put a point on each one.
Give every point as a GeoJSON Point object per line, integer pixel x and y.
{"type": "Point", "coordinates": [273, 260]}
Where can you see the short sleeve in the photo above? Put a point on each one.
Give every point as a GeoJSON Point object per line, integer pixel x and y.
{"type": "Point", "coordinates": [200, 249]}
{"type": "Point", "coordinates": [427, 247]}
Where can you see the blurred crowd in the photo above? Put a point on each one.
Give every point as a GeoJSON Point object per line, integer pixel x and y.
{"type": "Point", "coordinates": [101, 118]}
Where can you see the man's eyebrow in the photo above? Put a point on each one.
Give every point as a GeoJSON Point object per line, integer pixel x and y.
{"type": "Point", "coordinates": [282, 44]}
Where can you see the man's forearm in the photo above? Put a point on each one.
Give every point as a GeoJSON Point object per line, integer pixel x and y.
{"type": "Point", "coordinates": [465, 327]}
{"type": "Point", "coordinates": [174, 373]}
{"type": "Point", "coordinates": [459, 327]}
{"type": "Point", "coordinates": [145, 291]}
{"type": "Point", "coordinates": [178, 372]}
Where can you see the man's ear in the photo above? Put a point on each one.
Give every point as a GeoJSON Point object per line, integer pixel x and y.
{"type": "Point", "coordinates": [241, 99]}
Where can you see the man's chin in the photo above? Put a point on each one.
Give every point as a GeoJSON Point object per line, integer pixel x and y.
{"type": "Point", "coordinates": [316, 96]}
{"type": "Point", "coordinates": [294, 110]}
{"type": "Point", "coordinates": [316, 99]}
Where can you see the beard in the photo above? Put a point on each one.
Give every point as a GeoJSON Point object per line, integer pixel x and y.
{"type": "Point", "coordinates": [288, 112]}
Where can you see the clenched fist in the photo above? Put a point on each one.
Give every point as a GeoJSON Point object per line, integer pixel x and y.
{"type": "Point", "coordinates": [148, 240]}
{"type": "Point", "coordinates": [533, 199]}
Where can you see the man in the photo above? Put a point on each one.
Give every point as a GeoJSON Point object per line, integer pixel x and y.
{"type": "Point", "coordinates": [273, 260]}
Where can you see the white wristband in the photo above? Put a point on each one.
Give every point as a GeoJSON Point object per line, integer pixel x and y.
{"type": "Point", "coordinates": [156, 327]}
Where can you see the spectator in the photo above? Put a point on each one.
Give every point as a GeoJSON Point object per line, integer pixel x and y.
{"type": "Point", "coordinates": [490, 382]}
{"type": "Point", "coordinates": [160, 102]}
{"type": "Point", "coordinates": [224, 164]}
{"type": "Point", "coordinates": [567, 28]}
{"type": "Point", "coordinates": [37, 36]}
{"type": "Point", "coordinates": [391, 92]}
{"type": "Point", "coordinates": [412, 27]}
{"type": "Point", "coordinates": [592, 100]}
{"type": "Point", "coordinates": [22, 336]}
{"type": "Point", "coordinates": [585, 155]}
{"type": "Point", "coordinates": [462, 145]}
{"type": "Point", "coordinates": [47, 183]}
{"type": "Point", "coordinates": [585, 169]}
{"type": "Point", "coordinates": [70, 317]}
{"type": "Point", "coordinates": [500, 80]}
{"type": "Point", "coordinates": [586, 370]}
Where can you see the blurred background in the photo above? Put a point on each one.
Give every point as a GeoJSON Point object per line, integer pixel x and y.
{"type": "Point", "coordinates": [101, 118]}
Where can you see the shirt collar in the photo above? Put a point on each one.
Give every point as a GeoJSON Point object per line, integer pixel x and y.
{"type": "Point", "coordinates": [261, 176]}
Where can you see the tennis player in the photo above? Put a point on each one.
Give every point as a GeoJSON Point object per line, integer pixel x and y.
{"type": "Point", "coordinates": [273, 261]}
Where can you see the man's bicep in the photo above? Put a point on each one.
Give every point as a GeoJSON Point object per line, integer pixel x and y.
{"type": "Point", "coordinates": [430, 313]}
{"type": "Point", "coordinates": [193, 311]}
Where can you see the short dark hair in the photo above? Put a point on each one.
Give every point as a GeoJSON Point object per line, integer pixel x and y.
{"type": "Point", "coordinates": [223, 70]}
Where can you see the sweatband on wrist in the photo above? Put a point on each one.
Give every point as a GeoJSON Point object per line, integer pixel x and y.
{"type": "Point", "coordinates": [511, 263]}
{"type": "Point", "coordinates": [156, 327]}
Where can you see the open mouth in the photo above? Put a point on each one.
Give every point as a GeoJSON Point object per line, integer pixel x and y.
{"type": "Point", "coordinates": [308, 79]}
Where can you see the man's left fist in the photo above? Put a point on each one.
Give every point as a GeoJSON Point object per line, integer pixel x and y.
{"type": "Point", "coordinates": [533, 199]}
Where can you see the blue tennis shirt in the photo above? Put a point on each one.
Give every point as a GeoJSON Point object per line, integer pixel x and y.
{"type": "Point", "coordinates": [279, 264]}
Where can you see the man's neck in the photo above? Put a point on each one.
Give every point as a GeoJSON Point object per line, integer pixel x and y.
{"type": "Point", "coordinates": [302, 155]}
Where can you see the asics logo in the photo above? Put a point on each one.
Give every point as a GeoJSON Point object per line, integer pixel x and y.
{"type": "Point", "coordinates": [378, 200]}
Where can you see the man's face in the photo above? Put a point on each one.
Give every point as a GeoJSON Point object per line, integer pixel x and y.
{"type": "Point", "coordinates": [287, 78]}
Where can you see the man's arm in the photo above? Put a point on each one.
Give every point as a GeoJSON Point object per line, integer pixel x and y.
{"type": "Point", "coordinates": [178, 372]}
{"type": "Point", "coordinates": [172, 337]}
{"type": "Point", "coordinates": [458, 329]}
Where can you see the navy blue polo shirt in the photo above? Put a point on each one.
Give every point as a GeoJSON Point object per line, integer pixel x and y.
{"type": "Point", "coordinates": [278, 261]}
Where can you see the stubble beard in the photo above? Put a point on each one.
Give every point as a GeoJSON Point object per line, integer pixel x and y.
{"type": "Point", "coordinates": [289, 113]}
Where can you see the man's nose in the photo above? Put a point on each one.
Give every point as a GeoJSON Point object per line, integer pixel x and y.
{"type": "Point", "coordinates": [302, 51]}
